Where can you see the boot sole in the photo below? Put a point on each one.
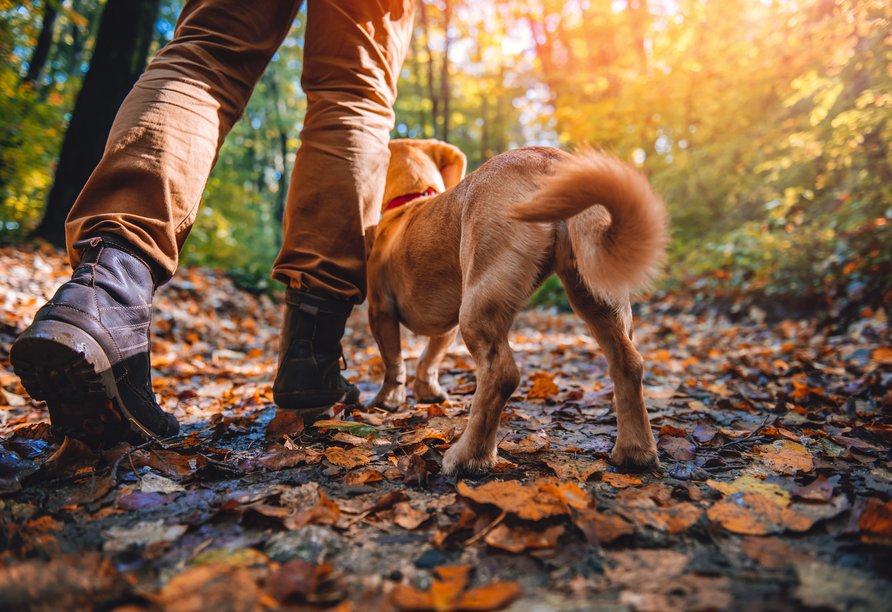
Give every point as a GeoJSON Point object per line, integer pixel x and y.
{"type": "Point", "coordinates": [65, 367]}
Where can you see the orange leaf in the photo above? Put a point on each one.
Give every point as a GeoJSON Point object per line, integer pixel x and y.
{"type": "Point", "coordinates": [409, 598]}
{"type": "Point", "coordinates": [882, 355]}
{"type": "Point", "coordinates": [540, 499]}
{"type": "Point", "coordinates": [771, 552]}
{"type": "Point", "coordinates": [786, 457]}
{"type": "Point", "coordinates": [326, 512]}
{"type": "Point", "coordinates": [876, 520]}
{"type": "Point", "coordinates": [543, 386]}
{"type": "Point", "coordinates": [492, 596]}
{"type": "Point", "coordinates": [580, 468]}
{"type": "Point", "coordinates": [533, 443]}
{"type": "Point", "coordinates": [753, 514]}
{"type": "Point", "coordinates": [519, 538]}
{"type": "Point", "coordinates": [348, 458]}
{"type": "Point", "coordinates": [620, 481]}
{"type": "Point", "coordinates": [284, 424]}
{"type": "Point", "coordinates": [408, 517]}
{"type": "Point", "coordinates": [362, 477]}
{"type": "Point", "coordinates": [669, 430]}
{"type": "Point", "coordinates": [277, 457]}
{"type": "Point", "coordinates": [674, 518]}
{"type": "Point", "coordinates": [600, 528]}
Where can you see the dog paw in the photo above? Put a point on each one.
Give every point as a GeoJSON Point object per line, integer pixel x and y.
{"type": "Point", "coordinates": [635, 457]}
{"type": "Point", "coordinates": [387, 398]}
{"type": "Point", "coordinates": [428, 393]}
{"type": "Point", "coordinates": [460, 459]}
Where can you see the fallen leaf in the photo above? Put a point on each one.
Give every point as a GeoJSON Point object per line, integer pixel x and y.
{"type": "Point", "coordinates": [220, 587]}
{"type": "Point", "coordinates": [573, 466]}
{"type": "Point", "coordinates": [669, 430]}
{"type": "Point", "coordinates": [704, 433]}
{"type": "Point", "coordinates": [679, 449]}
{"type": "Point", "coordinates": [242, 557]}
{"type": "Point", "coordinates": [786, 457]}
{"type": "Point", "coordinates": [297, 579]}
{"type": "Point", "coordinates": [139, 500]}
{"type": "Point", "coordinates": [325, 512]}
{"type": "Point", "coordinates": [361, 430]}
{"type": "Point", "coordinates": [278, 457]}
{"type": "Point", "coordinates": [492, 596]}
{"type": "Point", "coordinates": [408, 517]}
{"type": "Point", "coordinates": [118, 539]}
{"type": "Point", "coordinates": [749, 513]}
{"type": "Point", "coordinates": [772, 553]}
{"type": "Point", "coordinates": [598, 527]}
{"type": "Point", "coordinates": [65, 582]}
{"type": "Point", "coordinates": [284, 424]}
{"type": "Point", "coordinates": [447, 593]}
{"type": "Point", "coordinates": [362, 477]}
{"type": "Point", "coordinates": [654, 506]}
{"type": "Point", "coordinates": [153, 483]}
{"type": "Point", "coordinates": [519, 538]}
{"type": "Point", "coordinates": [769, 490]}
{"type": "Point", "coordinates": [532, 444]}
{"type": "Point", "coordinates": [414, 470]}
{"type": "Point", "coordinates": [532, 502]}
{"type": "Point", "coordinates": [348, 459]}
{"type": "Point", "coordinates": [620, 481]}
{"type": "Point", "coordinates": [543, 386]}
{"type": "Point", "coordinates": [819, 490]}
{"type": "Point", "coordinates": [386, 501]}
{"type": "Point", "coordinates": [875, 522]}
{"type": "Point", "coordinates": [640, 567]}
{"type": "Point", "coordinates": [72, 457]}
{"type": "Point", "coordinates": [12, 399]}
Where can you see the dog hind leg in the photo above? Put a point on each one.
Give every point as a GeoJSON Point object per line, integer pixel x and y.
{"type": "Point", "coordinates": [612, 328]}
{"type": "Point", "coordinates": [426, 386]}
{"type": "Point", "coordinates": [497, 378]}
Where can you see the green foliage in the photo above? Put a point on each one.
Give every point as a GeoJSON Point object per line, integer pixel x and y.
{"type": "Point", "coordinates": [551, 293]}
{"type": "Point", "coordinates": [32, 117]}
{"type": "Point", "coordinates": [766, 125]}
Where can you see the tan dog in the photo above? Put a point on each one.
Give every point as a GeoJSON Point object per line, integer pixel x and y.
{"type": "Point", "coordinates": [470, 256]}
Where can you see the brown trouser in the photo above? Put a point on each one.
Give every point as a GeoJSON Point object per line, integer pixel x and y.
{"type": "Point", "coordinates": [167, 134]}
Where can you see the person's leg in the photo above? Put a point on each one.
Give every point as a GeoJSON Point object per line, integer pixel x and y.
{"type": "Point", "coordinates": [87, 352]}
{"type": "Point", "coordinates": [352, 59]}
{"type": "Point", "coordinates": [168, 131]}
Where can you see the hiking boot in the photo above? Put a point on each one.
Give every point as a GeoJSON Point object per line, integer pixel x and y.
{"type": "Point", "coordinates": [87, 352]}
{"type": "Point", "coordinates": [309, 379]}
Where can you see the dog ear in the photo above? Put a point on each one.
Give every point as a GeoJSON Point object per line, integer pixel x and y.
{"type": "Point", "coordinates": [450, 160]}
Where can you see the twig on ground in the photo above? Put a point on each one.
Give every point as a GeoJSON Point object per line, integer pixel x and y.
{"type": "Point", "coordinates": [141, 446]}
{"type": "Point", "coordinates": [487, 529]}
{"type": "Point", "coordinates": [748, 437]}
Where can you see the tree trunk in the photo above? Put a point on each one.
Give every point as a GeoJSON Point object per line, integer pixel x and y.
{"type": "Point", "coordinates": [42, 48]}
{"type": "Point", "coordinates": [444, 79]}
{"type": "Point", "coordinates": [122, 45]}
{"type": "Point", "coordinates": [430, 68]}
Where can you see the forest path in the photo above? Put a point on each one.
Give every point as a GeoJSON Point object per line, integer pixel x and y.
{"type": "Point", "coordinates": [773, 493]}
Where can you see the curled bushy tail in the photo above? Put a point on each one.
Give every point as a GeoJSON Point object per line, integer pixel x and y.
{"type": "Point", "coordinates": [616, 255]}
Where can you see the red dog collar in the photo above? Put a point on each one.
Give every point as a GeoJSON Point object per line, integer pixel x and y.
{"type": "Point", "coordinates": [397, 202]}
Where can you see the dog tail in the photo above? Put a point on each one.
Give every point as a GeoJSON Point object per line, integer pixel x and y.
{"type": "Point", "coordinates": [616, 223]}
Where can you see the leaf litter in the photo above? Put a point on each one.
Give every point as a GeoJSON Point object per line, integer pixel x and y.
{"type": "Point", "coordinates": [775, 490]}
